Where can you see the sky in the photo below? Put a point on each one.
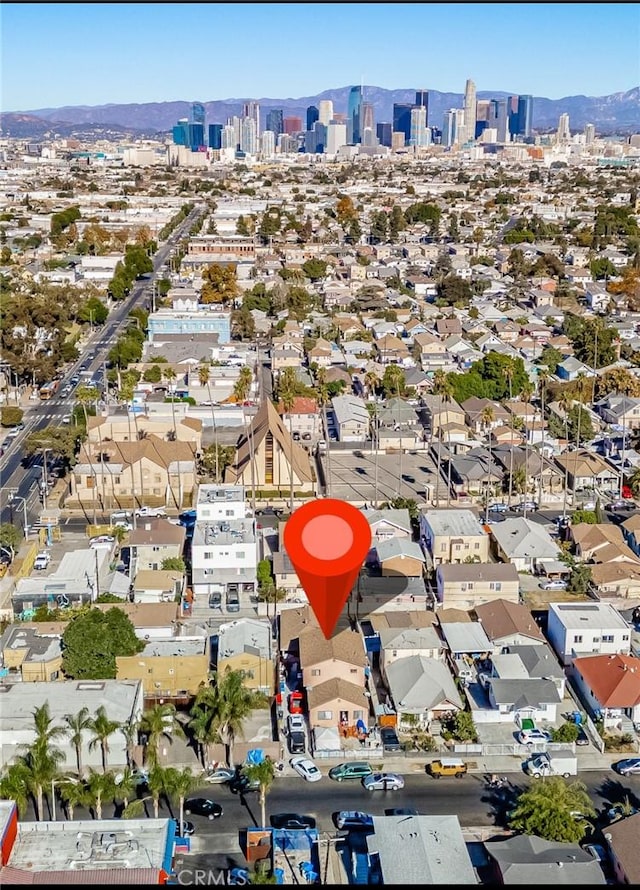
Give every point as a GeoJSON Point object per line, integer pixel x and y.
{"type": "Point", "coordinates": [95, 54]}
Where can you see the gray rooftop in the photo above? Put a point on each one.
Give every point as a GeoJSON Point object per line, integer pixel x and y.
{"type": "Point", "coordinates": [217, 494]}
{"type": "Point", "coordinates": [539, 661]}
{"type": "Point", "coordinates": [594, 615]}
{"type": "Point", "coordinates": [524, 693]}
{"type": "Point", "coordinates": [421, 850]}
{"type": "Point", "coordinates": [176, 646]}
{"type": "Point", "coordinates": [454, 522]}
{"type": "Point", "coordinates": [521, 538]}
{"type": "Point", "coordinates": [27, 638]}
{"type": "Point", "coordinates": [410, 638]}
{"type": "Point", "coordinates": [466, 636]}
{"type": "Point", "coordinates": [390, 548]}
{"type": "Point", "coordinates": [526, 859]}
{"type": "Point", "coordinates": [224, 532]}
{"type": "Point", "coordinates": [417, 683]}
{"type": "Point", "coordinates": [244, 635]}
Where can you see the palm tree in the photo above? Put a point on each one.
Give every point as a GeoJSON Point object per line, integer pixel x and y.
{"type": "Point", "coordinates": [581, 390]}
{"type": "Point", "coordinates": [263, 773]}
{"type": "Point", "coordinates": [73, 794]}
{"type": "Point", "coordinates": [126, 785]}
{"type": "Point", "coordinates": [130, 733]}
{"type": "Point", "coordinates": [159, 722]}
{"type": "Point", "coordinates": [77, 725]}
{"type": "Point", "coordinates": [565, 402]}
{"type": "Point", "coordinates": [202, 726]}
{"type": "Point", "coordinates": [14, 785]}
{"type": "Point", "coordinates": [442, 387]}
{"type": "Point", "coordinates": [156, 785]}
{"type": "Point", "coordinates": [242, 386]}
{"type": "Point", "coordinates": [170, 375]}
{"type": "Point", "coordinates": [179, 783]}
{"type": "Point", "coordinates": [102, 728]}
{"type": "Point", "coordinates": [488, 416]}
{"type": "Point", "coordinates": [508, 373]}
{"type": "Point", "coordinates": [88, 395]}
{"type": "Point", "coordinates": [287, 386]}
{"type": "Point", "coordinates": [372, 382]}
{"type": "Point", "coordinates": [41, 762]}
{"type": "Point", "coordinates": [204, 378]}
{"type": "Point", "coordinates": [526, 393]}
{"type": "Point", "coordinates": [99, 787]}
{"type": "Point", "coordinates": [124, 397]}
{"type": "Point", "coordinates": [322, 395]}
{"type": "Point", "coordinates": [543, 379]}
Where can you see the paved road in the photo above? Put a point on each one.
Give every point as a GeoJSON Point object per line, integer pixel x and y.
{"type": "Point", "coordinates": [23, 480]}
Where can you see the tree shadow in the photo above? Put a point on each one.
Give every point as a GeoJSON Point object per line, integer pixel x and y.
{"type": "Point", "coordinates": [501, 801]}
{"type": "Point", "coordinates": [244, 801]}
{"type": "Point", "coordinates": [614, 792]}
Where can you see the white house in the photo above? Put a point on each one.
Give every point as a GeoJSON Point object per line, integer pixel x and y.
{"type": "Point", "coordinates": [576, 629]}
{"type": "Point", "coordinates": [224, 557]}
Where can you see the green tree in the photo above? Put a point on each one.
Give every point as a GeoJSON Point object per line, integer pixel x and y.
{"type": "Point", "coordinates": [264, 774]}
{"type": "Point", "coordinates": [587, 516]}
{"type": "Point", "coordinates": [159, 722]}
{"type": "Point", "coordinates": [545, 810]}
{"type": "Point", "coordinates": [578, 425]}
{"type": "Point", "coordinates": [314, 269]}
{"type": "Point", "coordinates": [173, 564]}
{"type": "Point", "coordinates": [41, 763]}
{"type": "Point", "coordinates": [566, 733]}
{"type": "Point", "coordinates": [10, 536]}
{"type": "Point", "coordinates": [102, 728]}
{"type": "Point", "coordinates": [551, 357]}
{"type": "Point", "coordinates": [100, 787]}
{"type": "Point", "coordinates": [77, 725]}
{"type": "Point", "coordinates": [74, 794]}
{"type": "Point", "coordinates": [580, 579]}
{"type": "Point", "coordinates": [10, 415]}
{"type": "Point", "coordinates": [14, 785]}
{"type": "Point", "coordinates": [242, 386]}
{"type": "Point", "coordinates": [264, 575]}
{"type": "Point", "coordinates": [393, 380]}
{"type": "Point", "coordinates": [179, 783]}
{"type": "Point", "coordinates": [92, 641]}
{"type": "Point", "coordinates": [59, 442]}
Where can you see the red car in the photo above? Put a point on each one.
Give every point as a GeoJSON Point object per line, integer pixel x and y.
{"type": "Point", "coordinates": [295, 703]}
{"type": "Point", "coordinates": [626, 492]}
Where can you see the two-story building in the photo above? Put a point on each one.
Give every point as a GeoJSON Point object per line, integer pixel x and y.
{"type": "Point", "coordinates": [246, 645]}
{"type": "Point", "coordinates": [453, 536]}
{"type": "Point", "coordinates": [576, 629]}
{"type": "Point", "coordinates": [224, 557]}
{"type": "Point", "coordinates": [152, 541]}
{"type": "Point", "coordinates": [465, 586]}
{"type": "Point", "coordinates": [352, 418]}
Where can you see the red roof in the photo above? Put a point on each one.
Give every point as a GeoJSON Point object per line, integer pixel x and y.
{"type": "Point", "coordinates": [301, 405]}
{"type": "Point", "coordinates": [613, 679]}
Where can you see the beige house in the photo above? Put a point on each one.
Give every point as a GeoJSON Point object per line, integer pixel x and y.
{"type": "Point", "coordinates": [585, 469]}
{"type": "Point", "coordinates": [290, 355]}
{"type": "Point", "coordinates": [401, 642]}
{"type": "Point", "coordinates": [158, 586]}
{"type": "Point", "coordinates": [464, 586]}
{"type": "Point", "coordinates": [129, 427]}
{"type": "Point", "coordinates": [442, 413]}
{"type": "Point", "coordinates": [338, 703]}
{"type": "Point", "coordinates": [169, 669]}
{"type": "Point", "coordinates": [601, 542]}
{"type": "Point", "coordinates": [117, 475]}
{"type": "Point", "coordinates": [153, 541]}
{"type": "Point", "coordinates": [266, 457]}
{"type": "Point", "coordinates": [245, 645]}
{"type": "Point", "coordinates": [616, 580]}
{"type": "Point", "coordinates": [31, 655]}
{"type": "Point", "coordinates": [342, 657]}
{"type": "Point", "coordinates": [453, 536]}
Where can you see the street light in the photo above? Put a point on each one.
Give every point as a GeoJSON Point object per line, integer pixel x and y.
{"type": "Point", "coordinates": [14, 496]}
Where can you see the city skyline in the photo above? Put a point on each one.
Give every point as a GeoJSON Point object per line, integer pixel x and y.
{"type": "Point", "coordinates": [107, 37]}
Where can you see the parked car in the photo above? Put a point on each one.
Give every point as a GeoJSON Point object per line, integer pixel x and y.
{"type": "Point", "coordinates": [582, 738]}
{"type": "Point", "coordinates": [383, 782]}
{"type": "Point", "coordinates": [628, 767]}
{"type": "Point", "coordinates": [526, 505]}
{"type": "Point", "coordinates": [292, 821]}
{"type": "Point", "coordinates": [357, 769]}
{"type": "Point", "coordinates": [447, 766]}
{"type": "Point", "coordinates": [499, 508]}
{"type": "Point", "coordinates": [295, 723]}
{"type": "Point", "coordinates": [306, 768]}
{"type": "Point", "coordinates": [202, 806]}
{"type": "Point", "coordinates": [295, 703]}
{"type": "Point", "coordinates": [242, 784]}
{"type": "Point", "coordinates": [352, 819]}
{"type": "Point", "coordinates": [66, 418]}
{"type": "Point", "coordinates": [389, 739]}
{"type": "Point", "coordinates": [42, 561]}
{"type": "Point", "coordinates": [220, 775]}
{"type": "Point", "coordinates": [556, 584]}
{"type": "Point", "coordinates": [187, 828]}
{"type": "Point", "coordinates": [401, 811]}
{"type": "Point", "coordinates": [233, 602]}
{"type": "Point", "coordinates": [530, 736]}
{"type": "Point", "coordinates": [151, 511]}
{"type": "Point", "coordinates": [215, 601]}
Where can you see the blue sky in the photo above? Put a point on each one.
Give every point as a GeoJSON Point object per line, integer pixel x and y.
{"type": "Point", "coordinates": [94, 54]}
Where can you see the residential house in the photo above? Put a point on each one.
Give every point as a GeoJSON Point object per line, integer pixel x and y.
{"type": "Point", "coordinates": [539, 661]}
{"type": "Point", "coordinates": [571, 368]}
{"type": "Point", "coordinates": [321, 353]}
{"type": "Point", "coordinates": [609, 686]}
{"type": "Point", "coordinates": [303, 420]}
{"type": "Point", "coordinates": [508, 624]}
{"type": "Point", "coordinates": [601, 543]}
{"type": "Point", "coordinates": [631, 531]}
{"type": "Point", "coordinates": [391, 349]}
{"type": "Point", "coordinates": [475, 472]}
{"type": "Point", "coordinates": [597, 297]}
{"type": "Point", "coordinates": [465, 586]}
{"type": "Point", "coordinates": [157, 586]}
{"type": "Point", "coordinates": [622, 840]}
{"type": "Point", "coordinates": [621, 411]}
{"type": "Point", "coordinates": [400, 557]}
{"type": "Point", "coordinates": [290, 355]}
{"type": "Point", "coordinates": [527, 859]}
{"type": "Point", "coordinates": [453, 536]}
{"type": "Point", "coordinates": [267, 457]}
{"type": "Point", "coordinates": [118, 427]}
{"type": "Point", "coordinates": [224, 557]}
{"type": "Point", "coordinates": [584, 469]}
{"type": "Point", "coordinates": [422, 690]}
{"type": "Point", "coordinates": [30, 655]}
{"type": "Point", "coordinates": [246, 645]}
{"type": "Point", "coordinates": [474, 409]}
{"type": "Point", "coordinates": [152, 541]}
{"type": "Point", "coordinates": [338, 704]}
{"type": "Point", "coordinates": [341, 657]}
{"type": "Point", "coordinates": [523, 543]}
{"type": "Point", "coordinates": [431, 351]}
{"type": "Point", "coordinates": [440, 412]}
{"type": "Point", "coordinates": [465, 639]}
{"type": "Point", "coordinates": [513, 694]}
{"type": "Point", "coordinates": [446, 327]}
{"type": "Point", "coordinates": [377, 594]}
{"type": "Point", "coordinates": [222, 502]}
{"type": "Point", "coordinates": [616, 581]}
{"type": "Point", "coordinates": [403, 642]}
{"type": "Point", "coordinates": [386, 524]}
{"type": "Point", "coordinates": [589, 628]}
{"type": "Point", "coordinates": [169, 670]}
{"type": "Point", "coordinates": [542, 473]}
{"type": "Point", "coordinates": [352, 418]}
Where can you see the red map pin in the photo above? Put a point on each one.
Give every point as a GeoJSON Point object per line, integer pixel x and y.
{"type": "Point", "coordinates": [327, 541]}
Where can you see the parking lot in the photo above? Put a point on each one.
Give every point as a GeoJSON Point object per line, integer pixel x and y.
{"type": "Point", "coordinates": [352, 476]}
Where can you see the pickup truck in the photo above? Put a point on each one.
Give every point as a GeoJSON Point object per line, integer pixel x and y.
{"type": "Point", "coordinates": [555, 763]}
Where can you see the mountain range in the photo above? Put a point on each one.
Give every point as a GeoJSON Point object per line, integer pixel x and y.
{"type": "Point", "coordinates": [613, 114]}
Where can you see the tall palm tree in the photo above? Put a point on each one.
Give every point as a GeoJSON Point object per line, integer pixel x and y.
{"type": "Point", "coordinates": [263, 773]}
{"type": "Point", "coordinates": [582, 384]}
{"type": "Point", "coordinates": [77, 725]}
{"type": "Point", "coordinates": [287, 386]}
{"type": "Point", "coordinates": [159, 722]}
{"type": "Point", "coordinates": [102, 728]}
{"type": "Point", "coordinates": [322, 394]}
{"type": "Point", "coordinates": [372, 382]}
{"type": "Point", "coordinates": [242, 386]}
{"type": "Point", "coordinates": [543, 379]}
{"type": "Point", "coordinates": [565, 403]}
{"type": "Point", "coordinates": [124, 396]}
{"type": "Point", "coordinates": [126, 784]}
{"type": "Point", "coordinates": [443, 388]}
{"type": "Point", "coordinates": [488, 416]}
{"type": "Point", "coordinates": [41, 762]}
{"type": "Point", "coordinates": [14, 785]}
{"type": "Point", "coordinates": [170, 375]}
{"type": "Point", "coordinates": [204, 378]}
{"type": "Point", "coordinates": [526, 393]}
{"type": "Point", "coordinates": [179, 783]}
{"type": "Point", "coordinates": [85, 396]}
{"type": "Point", "coordinates": [156, 785]}
{"type": "Point", "coordinates": [99, 787]}
{"type": "Point", "coordinates": [202, 726]}
{"type": "Point", "coordinates": [130, 733]}
{"type": "Point", "coordinates": [508, 373]}
{"type": "Point", "coordinates": [73, 794]}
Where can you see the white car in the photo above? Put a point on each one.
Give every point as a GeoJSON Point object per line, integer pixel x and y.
{"type": "Point", "coordinates": [529, 736]}
{"type": "Point", "coordinates": [306, 768]}
{"type": "Point", "coordinates": [151, 511]}
{"type": "Point", "coordinates": [295, 723]}
{"type": "Point", "coordinates": [66, 418]}
{"type": "Point", "coordinates": [220, 775]}
{"type": "Point", "coordinates": [554, 585]}
{"type": "Point", "coordinates": [383, 782]}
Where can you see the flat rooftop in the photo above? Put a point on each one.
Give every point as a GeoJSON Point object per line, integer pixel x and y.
{"type": "Point", "coordinates": [454, 522]}
{"type": "Point", "coordinates": [216, 494]}
{"type": "Point", "coordinates": [595, 615]}
{"type": "Point", "coordinates": [176, 646]}
{"type": "Point", "coordinates": [85, 845]}
{"type": "Point", "coordinates": [224, 532]}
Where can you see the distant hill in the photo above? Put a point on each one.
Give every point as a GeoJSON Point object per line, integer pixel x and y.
{"type": "Point", "coordinates": [617, 113]}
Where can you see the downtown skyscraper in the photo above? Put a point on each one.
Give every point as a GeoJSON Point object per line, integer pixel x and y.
{"type": "Point", "coordinates": [470, 110]}
{"type": "Point", "coordinates": [354, 116]}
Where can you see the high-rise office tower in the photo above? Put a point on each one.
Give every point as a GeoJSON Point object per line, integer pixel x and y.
{"type": "Point", "coordinates": [181, 132]}
{"type": "Point", "coordinates": [367, 117]}
{"type": "Point", "coordinates": [525, 116]}
{"type": "Point", "coordinates": [196, 126]}
{"type": "Point", "coordinates": [402, 120]}
{"type": "Point", "coordinates": [248, 136]}
{"type": "Point", "coordinates": [470, 110]}
{"type": "Point", "coordinates": [198, 113]}
{"type": "Point", "coordinates": [512, 112]}
{"type": "Point", "coordinates": [292, 125]}
{"type": "Point", "coordinates": [325, 111]}
{"type": "Point", "coordinates": [286, 144]}
{"type": "Point", "coordinates": [268, 143]}
{"type": "Point", "coordinates": [453, 126]}
{"type": "Point", "coordinates": [312, 116]}
{"type": "Point", "coordinates": [236, 123]}
{"type": "Point", "coordinates": [336, 137]}
{"type": "Point", "coordinates": [418, 136]}
{"type": "Point", "coordinates": [320, 132]}
{"type": "Point", "coordinates": [275, 119]}
{"type": "Point", "coordinates": [215, 135]}
{"type": "Point", "coordinates": [564, 132]}
{"type": "Point", "coordinates": [252, 109]}
{"type": "Point", "coordinates": [589, 134]}
{"type": "Point", "coordinates": [354, 115]}
{"type": "Point", "coordinates": [422, 99]}
{"type": "Point", "coordinates": [383, 132]}
{"type": "Point", "coordinates": [499, 119]}
{"type": "Point", "coordinates": [228, 139]}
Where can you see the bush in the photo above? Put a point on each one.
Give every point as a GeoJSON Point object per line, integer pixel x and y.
{"type": "Point", "coordinates": [568, 732]}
